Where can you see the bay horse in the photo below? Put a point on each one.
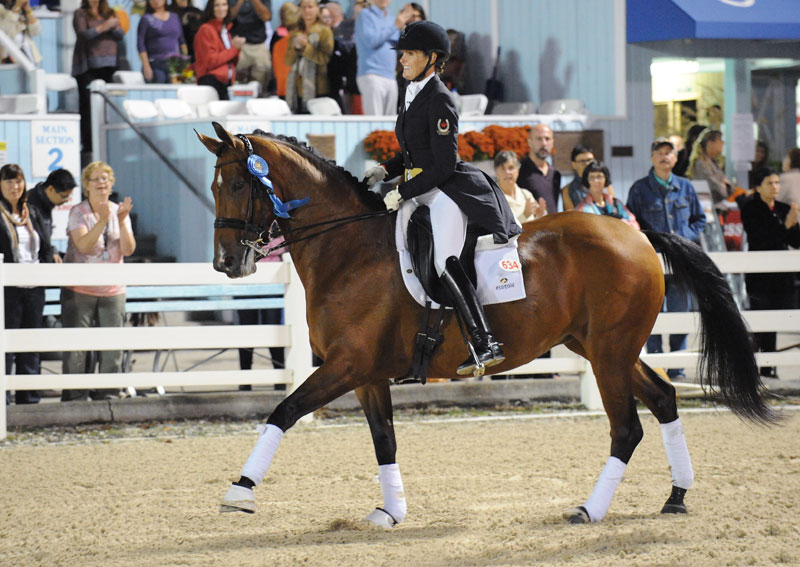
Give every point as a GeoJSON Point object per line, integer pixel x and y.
{"type": "Point", "coordinates": [593, 283]}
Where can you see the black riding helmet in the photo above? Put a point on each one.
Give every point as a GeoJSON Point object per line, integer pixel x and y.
{"type": "Point", "coordinates": [428, 37]}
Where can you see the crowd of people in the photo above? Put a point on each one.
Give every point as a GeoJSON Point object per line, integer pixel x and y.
{"type": "Point", "coordinates": [99, 231]}
{"type": "Point", "coordinates": [376, 63]}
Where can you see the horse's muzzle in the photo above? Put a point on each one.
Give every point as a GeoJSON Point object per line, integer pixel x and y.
{"type": "Point", "coordinates": [233, 266]}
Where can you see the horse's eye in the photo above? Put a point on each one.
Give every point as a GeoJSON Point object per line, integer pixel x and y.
{"type": "Point", "coordinates": [238, 185]}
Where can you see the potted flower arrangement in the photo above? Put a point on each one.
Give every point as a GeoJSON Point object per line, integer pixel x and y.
{"type": "Point", "coordinates": [478, 147]}
{"type": "Point", "coordinates": [180, 69]}
{"type": "Point", "coordinates": [381, 145]}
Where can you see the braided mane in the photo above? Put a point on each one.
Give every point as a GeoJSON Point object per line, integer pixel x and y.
{"type": "Point", "coordinates": [329, 166]}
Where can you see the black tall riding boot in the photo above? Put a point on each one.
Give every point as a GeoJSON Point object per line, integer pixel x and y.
{"type": "Point", "coordinates": [465, 300]}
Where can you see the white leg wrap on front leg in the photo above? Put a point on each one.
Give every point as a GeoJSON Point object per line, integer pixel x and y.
{"type": "Point", "coordinates": [394, 498]}
{"type": "Point", "coordinates": [680, 464]}
{"type": "Point", "coordinates": [598, 503]}
{"type": "Point", "coordinates": [258, 463]}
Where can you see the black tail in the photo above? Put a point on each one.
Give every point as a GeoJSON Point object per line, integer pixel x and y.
{"type": "Point", "coordinates": [727, 361]}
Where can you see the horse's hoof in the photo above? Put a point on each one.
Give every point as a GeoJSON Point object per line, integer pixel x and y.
{"type": "Point", "coordinates": [238, 499]}
{"type": "Point", "coordinates": [577, 515]}
{"type": "Point", "coordinates": [381, 518]}
{"type": "Point", "coordinates": [674, 509]}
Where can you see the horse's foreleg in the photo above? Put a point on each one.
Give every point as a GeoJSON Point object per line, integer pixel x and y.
{"type": "Point", "coordinates": [626, 431]}
{"type": "Point", "coordinates": [326, 384]}
{"type": "Point", "coordinates": [376, 401]}
{"type": "Point", "coordinates": [659, 397]}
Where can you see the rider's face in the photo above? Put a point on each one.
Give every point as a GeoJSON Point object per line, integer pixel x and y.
{"type": "Point", "coordinates": [413, 63]}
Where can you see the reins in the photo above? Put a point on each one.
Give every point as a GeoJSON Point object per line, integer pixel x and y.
{"type": "Point", "coordinates": [256, 164]}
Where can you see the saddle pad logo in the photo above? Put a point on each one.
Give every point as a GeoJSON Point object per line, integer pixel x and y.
{"type": "Point", "coordinates": [509, 265]}
{"type": "Point", "coordinates": [443, 126]}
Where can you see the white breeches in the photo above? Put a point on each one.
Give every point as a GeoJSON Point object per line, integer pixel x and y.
{"type": "Point", "coordinates": [449, 225]}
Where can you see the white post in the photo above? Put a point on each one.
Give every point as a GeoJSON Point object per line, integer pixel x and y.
{"type": "Point", "coordinates": [3, 379]}
{"type": "Point", "coordinates": [298, 355]}
{"type": "Point", "coordinates": [97, 110]}
{"type": "Point", "coordinates": [590, 393]}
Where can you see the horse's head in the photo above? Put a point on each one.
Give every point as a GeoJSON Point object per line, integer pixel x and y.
{"type": "Point", "coordinates": [245, 200]}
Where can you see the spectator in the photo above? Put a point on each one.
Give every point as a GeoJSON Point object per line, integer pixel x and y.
{"type": "Point", "coordinates": [159, 37]}
{"type": "Point", "coordinates": [415, 13]}
{"type": "Point", "coordinates": [191, 19]}
{"type": "Point", "coordinates": [376, 34]}
{"type": "Point", "coordinates": [20, 24]}
{"type": "Point", "coordinates": [262, 317]}
{"type": "Point", "coordinates": [99, 232]}
{"type": "Point", "coordinates": [665, 202]}
{"type": "Point", "coordinates": [596, 179]}
{"type": "Point", "coordinates": [290, 19]}
{"type": "Point", "coordinates": [310, 49]}
{"type": "Point", "coordinates": [770, 225]}
{"type": "Point", "coordinates": [52, 192]}
{"type": "Point", "coordinates": [704, 164]}
{"type": "Point", "coordinates": [536, 174]}
{"type": "Point", "coordinates": [97, 31]}
{"type": "Point", "coordinates": [255, 60]}
{"type": "Point", "coordinates": [574, 192]}
{"type": "Point", "coordinates": [790, 178]}
{"type": "Point", "coordinates": [23, 240]}
{"type": "Point", "coordinates": [215, 50]}
{"type": "Point", "coordinates": [682, 163]}
{"type": "Point", "coordinates": [760, 159]}
{"type": "Point", "coordinates": [453, 74]}
{"type": "Point", "coordinates": [343, 66]}
{"type": "Point", "coordinates": [523, 205]}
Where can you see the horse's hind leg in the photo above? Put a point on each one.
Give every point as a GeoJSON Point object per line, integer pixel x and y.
{"type": "Point", "coordinates": [376, 400]}
{"type": "Point", "coordinates": [659, 397]}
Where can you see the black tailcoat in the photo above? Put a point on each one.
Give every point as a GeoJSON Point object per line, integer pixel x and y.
{"type": "Point", "coordinates": [428, 137]}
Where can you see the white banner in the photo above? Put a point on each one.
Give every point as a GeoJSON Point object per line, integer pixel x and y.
{"type": "Point", "coordinates": [55, 144]}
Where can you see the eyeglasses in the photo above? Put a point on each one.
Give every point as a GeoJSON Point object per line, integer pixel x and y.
{"type": "Point", "coordinates": [587, 160]}
{"type": "Point", "coordinates": [103, 179]}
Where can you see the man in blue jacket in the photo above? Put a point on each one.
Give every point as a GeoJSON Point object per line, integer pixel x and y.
{"type": "Point", "coordinates": [664, 202]}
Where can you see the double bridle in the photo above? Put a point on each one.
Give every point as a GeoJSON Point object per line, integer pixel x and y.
{"type": "Point", "coordinates": [259, 172]}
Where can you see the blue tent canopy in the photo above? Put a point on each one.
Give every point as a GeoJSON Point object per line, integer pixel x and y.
{"type": "Point", "coordinates": [661, 20]}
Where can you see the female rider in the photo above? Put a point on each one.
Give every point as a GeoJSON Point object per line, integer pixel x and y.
{"type": "Point", "coordinates": [427, 130]}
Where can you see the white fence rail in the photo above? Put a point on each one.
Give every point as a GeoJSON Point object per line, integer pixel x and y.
{"type": "Point", "coordinates": [294, 335]}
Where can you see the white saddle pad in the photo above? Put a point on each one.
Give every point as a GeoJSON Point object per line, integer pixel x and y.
{"type": "Point", "coordinates": [498, 269]}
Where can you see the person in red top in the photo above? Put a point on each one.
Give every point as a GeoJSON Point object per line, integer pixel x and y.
{"type": "Point", "coordinates": [215, 49]}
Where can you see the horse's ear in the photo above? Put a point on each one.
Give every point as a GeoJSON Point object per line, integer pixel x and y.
{"type": "Point", "coordinates": [211, 144]}
{"type": "Point", "coordinates": [223, 134]}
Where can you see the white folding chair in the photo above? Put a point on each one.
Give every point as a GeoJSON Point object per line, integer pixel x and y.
{"type": "Point", "coordinates": [323, 105]}
{"type": "Point", "coordinates": [272, 106]}
{"type": "Point", "coordinates": [174, 109]}
{"type": "Point", "coordinates": [473, 105]}
{"type": "Point", "coordinates": [198, 96]}
{"type": "Point", "coordinates": [140, 110]}
{"type": "Point", "coordinates": [128, 77]}
{"type": "Point", "coordinates": [218, 108]}
{"type": "Point", "coordinates": [511, 108]}
{"type": "Point", "coordinates": [563, 106]}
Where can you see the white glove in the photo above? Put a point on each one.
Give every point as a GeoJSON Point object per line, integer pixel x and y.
{"type": "Point", "coordinates": [392, 200]}
{"type": "Point", "coordinates": [374, 175]}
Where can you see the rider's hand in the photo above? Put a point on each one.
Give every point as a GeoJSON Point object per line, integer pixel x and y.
{"type": "Point", "coordinates": [392, 200]}
{"type": "Point", "coordinates": [374, 175]}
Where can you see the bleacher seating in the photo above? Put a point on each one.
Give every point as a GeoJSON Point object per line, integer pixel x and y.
{"type": "Point", "coordinates": [272, 106]}
{"type": "Point", "coordinates": [174, 108]}
{"type": "Point", "coordinates": [218, 108]}
{"type": "Point", "coordinates": [198, 97]}
{"type": "Point", "coordinates": [140, 110]}
{"type": "Point", "coordinates": [128, 77]}
{"type": "Point", "coordinates": [324, 105]}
